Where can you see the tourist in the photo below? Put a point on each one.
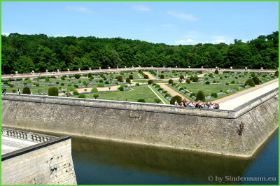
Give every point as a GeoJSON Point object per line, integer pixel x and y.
{"type": "Point", "coordinates": [18, 91]}
{"type": "Point", "coordinates": [4, 91]}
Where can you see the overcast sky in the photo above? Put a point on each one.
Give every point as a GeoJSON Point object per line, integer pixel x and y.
{"type": "Point", "coordinates": [158, 22]}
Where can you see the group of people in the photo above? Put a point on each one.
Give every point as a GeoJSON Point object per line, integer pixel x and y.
{"type": "Point", "coordinates": [200, 105]}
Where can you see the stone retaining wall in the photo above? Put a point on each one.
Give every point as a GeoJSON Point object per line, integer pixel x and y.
{"type": "Point", "coordinates": [213, 131]}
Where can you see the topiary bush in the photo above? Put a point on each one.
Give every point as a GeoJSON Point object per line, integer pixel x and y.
{"type": "Point", "coordinates": [177, 99]}
{"type": "Point", "coordinates": [137, 84]}
{"type": "Point", "coordinates": [146, 76]}
{"type": "Point", "coordinates": [150, 82]}
{"type": "Point", "coordinates": [26, 90]}
{"type": "Point", "coordinates": [256, 80]}
{"type": "Point", "coordinates": [214, 95]}
{"type": "Point", "coordinates": [120, 78]}
{"type": "Point", "coordinates": [53, 91]}
{"type": "Point", "coordinates": [250, 82]}
{"type": "Point", "coordinates": [95, 96]}
{"type": "Point", "coordinates": [216, 71]}
{"type": "Point", "coordinates": [188, 81]}
{"type": "Point", "coordinates": [141, 100]}
{"type": "Point", "coordinates": [130, 76]}
{"type": "Point", "coordinates": [128, 80]}
{"type": "Point", "coordinates": [157, 100]}
{"type": "Point", "coordinates": [207, 83]}
{"type": "Point", "coordinates": [161, 76]}
{"type": "Point", "coordinates": [94, 90]}
{"type": "Point", "coordinates": [170, 81]}
{"type": "Point", "coordinates": [200, 96]}
{"type": "Point", "coordinates": [77, 76]}
{"type": "Point", "coordinates": [121, 88]}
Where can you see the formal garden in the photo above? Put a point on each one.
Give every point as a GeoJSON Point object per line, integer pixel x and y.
{"type": "Point", "coordinates": [141, 86]}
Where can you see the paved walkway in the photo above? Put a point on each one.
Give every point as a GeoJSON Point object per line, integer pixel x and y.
{"type": "Point", "coordinates": [11, 144]}
{"type": "Point", "coordinates": [235, 100]}
{"type": "Point", "coordinates": [172, 92]}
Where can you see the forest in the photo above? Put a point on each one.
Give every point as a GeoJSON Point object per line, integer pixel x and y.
{"type": "Point", "coordinates": [24, 53]}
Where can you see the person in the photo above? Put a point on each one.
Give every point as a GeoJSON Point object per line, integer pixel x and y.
{"type": "Point", "coordinates": [4, 91]}
{"type": "Point", "coordinates": [216, 106]}
{"type": "Point", "coordinates": [18, 91]}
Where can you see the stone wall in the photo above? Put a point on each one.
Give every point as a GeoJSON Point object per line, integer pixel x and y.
{"type": "Point", "coordinates": [49, 162]}
{"type": "Point", "coordinates": [211, 131]}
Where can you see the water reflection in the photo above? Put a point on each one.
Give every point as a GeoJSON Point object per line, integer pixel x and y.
{"type": "Point", "coordinates": [154, 165]}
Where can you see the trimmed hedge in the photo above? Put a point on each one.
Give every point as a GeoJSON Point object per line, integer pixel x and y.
{"type": "Point", "coordinates": [53, 91]}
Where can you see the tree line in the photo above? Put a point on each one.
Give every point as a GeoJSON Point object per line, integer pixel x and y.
{"type": "Point", "coordinates": [24, 53]}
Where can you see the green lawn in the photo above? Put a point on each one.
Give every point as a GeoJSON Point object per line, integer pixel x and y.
{"type": "Point", "coordinates": [135, 93]}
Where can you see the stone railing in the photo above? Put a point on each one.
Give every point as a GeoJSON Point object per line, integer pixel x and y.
{"type": "Point", "coordinates": [24, 135]}
{"type": "Point", "coordinates": [60, 73]}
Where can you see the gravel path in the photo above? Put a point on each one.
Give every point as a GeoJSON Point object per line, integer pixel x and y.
{"type": "Point", "coordinates": [171, 91]}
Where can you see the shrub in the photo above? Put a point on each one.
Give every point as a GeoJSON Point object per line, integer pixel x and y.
{"type": "Point", "coordinates": [137, 84]}
{"type": "Point", "coordinates": [150, 82]}
{"type": "Point", "coordinates": [53, 91]}
{"type": "Point", "coordinates": [77, 76]}
{"type": "Point", "coordinates": [57, 82]}
{"type": "Point", "coordinates": [128, 80]}
{"type": "Point", "coordinates": [47, 79]}
{"type": "Point", "coordinates": [26, 90]}
{"type": "Point", "coordinates": [82, 96]}
{"type": "Point", "coordinates": [227, 83]}
{"type": "Point", "coordinates": [94, 90]}
{"type": "Point", "coordinates": [157, 100]}
{"type": "Point", "coordinates": [256, 80]}
{"type": "Point", "coordinates": [85, 83]}
{"type": "Point", "coordinates": [232, 82]}
{"type": "Point", "coordinates": [100, 85]}
{"type": "Point", "coordinates": [177, 99]}
{"type": "Point", "coordinates": [95, 96]}
{"type": "Point", "coordinates": [75, 92]}
{"type": "Point", "coordinates": [141, 100]}
{"type": "Point", "coordinates": [200, 96]}
{"type": "Point", "coordinates": [170, 81]}
{"type": "Point", "coordinates": [120, 78]}
{"type": "Point", "coordinates": [76, 86]}
{"type": "Point", "coordinates": [214, 95]}
{"type": "Point", "coordinates": [216, 71]}
{"type": "Point", "coordinates": [62, 78]}
{"type": "Point", "coordinates": [62, 84]}
{"type": "Point", "coordinates": [188, 81]}
{"type": "Point", "coordinates": [182, 77]}
{"type": "Point", "coordinates": [14, 91]}
{"type": "Point", "coordinates": [90, 76]}
{"type": "Point", "coordinates": [194, 78]}
{"type": "Point", "coordinates": [207, 82]}
{"type": "Point", "coordinates": [250, 82]}
{"type": "Point", "coordinates": [130, 76]}
{"type": "Point", "coordinates": [121, 88]}
{"type": "Point", "coordinates": [146, 76]}
{"type": "Point", "coordinates": [181, 88]}
{"type": "Point", "coordinates": [161, 76]}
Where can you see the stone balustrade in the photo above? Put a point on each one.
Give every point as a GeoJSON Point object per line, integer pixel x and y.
{"type": "Point", "coordinates": [24, 135]}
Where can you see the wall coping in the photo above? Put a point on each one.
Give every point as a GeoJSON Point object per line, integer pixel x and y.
{"type": "Point", "coordinates": [148, 107]}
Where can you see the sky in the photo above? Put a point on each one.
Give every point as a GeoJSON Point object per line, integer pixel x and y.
{"type": "Point", "coordinates": [171, 23]}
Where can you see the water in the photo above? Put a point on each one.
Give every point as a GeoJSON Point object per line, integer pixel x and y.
{"type": "Point", "coordinates": [100, 162]}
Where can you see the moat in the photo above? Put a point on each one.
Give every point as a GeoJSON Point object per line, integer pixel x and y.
{"type": "Point", "coordinates": [99, 162]}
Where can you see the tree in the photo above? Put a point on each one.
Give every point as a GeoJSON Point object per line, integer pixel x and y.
{"type": "Point", "coordinates": [177, 99]}
{"type": "Point", "coordinates": [200, 96]}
